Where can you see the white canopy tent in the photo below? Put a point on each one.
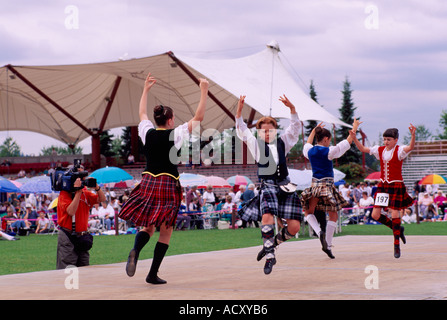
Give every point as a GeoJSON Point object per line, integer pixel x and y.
{"type": "Point", "coordinates": [263, 78]}
{"type": "Point", "coordinates": [72, 102]}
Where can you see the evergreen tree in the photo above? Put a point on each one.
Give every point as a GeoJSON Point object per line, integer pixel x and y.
{"type": "Point", "coordinates": [443, 124]}
{"type": "Point", "coordinates": [311, 123]}
{"type": "Point", "coordinates": [106, 143]}
{"type": "Point", "coordinates": [126, 145]}
{"type": "Point", "coordinates": [347, 116]}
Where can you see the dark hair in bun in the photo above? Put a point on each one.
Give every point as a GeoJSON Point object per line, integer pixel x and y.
{"type": "Point", "coordinates": [391, 133]}
{"type": "Point", "coordinates": [162, 114]}
{"type": "Point", "coordinates": [321, 133]}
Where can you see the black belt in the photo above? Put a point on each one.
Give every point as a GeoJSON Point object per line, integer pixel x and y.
{"type": "Point", "coordinates": [74, 233]}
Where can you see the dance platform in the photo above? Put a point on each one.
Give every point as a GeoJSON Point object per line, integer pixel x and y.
{"type": "Point", "coordinates": [364, 269]}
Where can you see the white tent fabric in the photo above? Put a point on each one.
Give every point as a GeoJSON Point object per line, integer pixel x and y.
{"type": "Point", "coordinates": [70, 102]}
{"type": "Point", "coordinates": [263, 78]}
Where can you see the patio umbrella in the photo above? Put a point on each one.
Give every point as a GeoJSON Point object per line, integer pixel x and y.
{"type": "Point", "coordinates": [239, 180]}
{"type": "Point", "coordinates": [373, 176]}
{"type": "Point", "coordinates": [433, 179]}
{"type": "Point", "coordinates": [53, 203]}
{"type": "Point", "coordinates": [7, 186]}
{"type": "Point", "coordinates": [191, 179]}
{"type": "Point", "coordinates": [303, 178]}
{"type": "Point", "coordinates": [110, 174]}
{"type": "Point", "coordinates": [16, 183]}
{"type": "Point", "coordinates": [122, 184]}
{"type": "Point", "coordinates": [39, 184]}
{"type": "Point", "coordinates": [215, 182]}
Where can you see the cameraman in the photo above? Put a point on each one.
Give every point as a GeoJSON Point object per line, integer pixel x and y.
{"type": "Point", "coordinates": [74, 241]}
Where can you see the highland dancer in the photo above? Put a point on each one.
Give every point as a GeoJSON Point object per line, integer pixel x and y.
{"type": "Point", "coordinates": [270, 154]}
{"type": "Point", "coordinates": [155, 202]}
{"type": "Point", "coordinates": [391, 191]}
{"type": "Point", "coordinates": [322, 194]}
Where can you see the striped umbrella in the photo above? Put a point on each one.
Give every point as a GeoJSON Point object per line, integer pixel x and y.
{"type": "Point", "coordinates": [433, 179]}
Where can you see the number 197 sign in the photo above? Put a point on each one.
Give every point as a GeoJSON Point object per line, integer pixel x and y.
{"type": "Point", "coordinates": [382, 199]}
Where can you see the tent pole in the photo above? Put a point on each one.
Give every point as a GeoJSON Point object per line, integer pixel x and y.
{"type": "Point", "coordinates": [109, 103]}
{"type": "Point", "coordinates": [194, 78]}
{"type": "Point", "coordinates": [43, 95]}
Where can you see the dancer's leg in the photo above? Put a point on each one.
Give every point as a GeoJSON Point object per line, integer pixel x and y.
{"type": "Point", "coordinates": [141, 239]}
{"type": "Point", "coordinates": [159, 253]}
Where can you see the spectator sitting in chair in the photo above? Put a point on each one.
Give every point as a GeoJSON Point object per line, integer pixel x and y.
{"type": "Point", "coordinates": [107, 214]}
{"type": "Point", "coordinates": [198, 219]}
{"type": "Point", "coordinates": [183, 218]}
{"type": "Point", "coordinates": [43, 224]}
{"type": "Point", "coordinates": [425, 202]}
{"type": "Point", "coordinates": [12, 220]}
{"type": "Point", "coordinates": [227, 208]}
{"type": "Point", "coordinates": [441, 201]}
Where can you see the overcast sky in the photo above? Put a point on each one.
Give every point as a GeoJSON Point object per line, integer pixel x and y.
{"type": "Point", "coordinates": [393, 52]}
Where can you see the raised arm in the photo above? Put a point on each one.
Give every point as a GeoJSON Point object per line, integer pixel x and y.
{"type": "Point", "coordinates": [410, 147]}
{"type": "Point", "coordinates": [288, 104]}
{"type": "Point", "coordinates": [200, 111]}
{"type": "Point", "coordinates": [359, 145]}
{"type": "Point", "coordinates": [243, 132]}
{"type": "Point", "coordinates": [355, 126]}
{"type": "Point", "coordinates": [291, 134]}
{"type": "Point", "coordinates": [240, 106]}
{"type": "Point", "coordinates": [150, 81]}
{"type": "Point", "coordinates": [311, 137]}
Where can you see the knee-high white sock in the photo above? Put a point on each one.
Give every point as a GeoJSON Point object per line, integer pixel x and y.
{"type": "Point", "coordinates": [312, 221]}
{"type": "Point", "coordinates": [330, 230]}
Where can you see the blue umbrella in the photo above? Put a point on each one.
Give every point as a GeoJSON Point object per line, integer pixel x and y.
{"type": "Point", "coordinates": [7, 186]}
{"type": "Point", "coordinates": [110, 174]}
{"type": "Point", "coordinates": [39, 184]}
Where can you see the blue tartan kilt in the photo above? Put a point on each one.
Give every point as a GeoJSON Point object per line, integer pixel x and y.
{"type": "Point", "coordinates": [271, 200]}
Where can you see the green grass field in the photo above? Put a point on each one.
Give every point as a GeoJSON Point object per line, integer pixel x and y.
{"type": "Point", "coordinates": [38, 252]}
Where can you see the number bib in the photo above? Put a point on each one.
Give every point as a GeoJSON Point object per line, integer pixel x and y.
{"type": "Point", "coordinates": [382, 199]}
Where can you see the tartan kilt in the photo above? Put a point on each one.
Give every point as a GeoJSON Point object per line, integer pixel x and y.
{"type": "Point", "coordinates": [153, 201]}
{"type": "Point", "coordinates": [271, 200]}
{"type": "Point", "coordinates": [399, 198]}
{"type": "Point", "coordinates": [329, 197]}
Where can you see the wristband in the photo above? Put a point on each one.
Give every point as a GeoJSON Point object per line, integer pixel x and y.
{"type": "Point", "coordinates": [99, 188]}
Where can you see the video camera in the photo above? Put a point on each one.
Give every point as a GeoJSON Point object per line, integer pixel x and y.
{"type": "Point", "coordinates": [63, 179]}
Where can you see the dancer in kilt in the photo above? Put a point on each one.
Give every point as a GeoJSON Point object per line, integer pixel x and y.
{"type": "Point", "coordinates": [155, 202]}
{"type": "Point", "coordinates": [322, 194]}
{"type": "Point", "coordinates": [270, 154]}
{"type": "Point", "coordinates": [391, 191]}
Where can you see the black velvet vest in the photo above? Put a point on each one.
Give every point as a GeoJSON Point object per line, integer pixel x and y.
{"type": "Point", "coordinates": [268, 169]}
{"type": "Point", "coordinates": [158, 150]}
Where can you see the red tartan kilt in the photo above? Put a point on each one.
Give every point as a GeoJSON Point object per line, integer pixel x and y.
{"type": "Point", "coordinates": [399, 198]}
{"type": "Point", "coordinates": [153, 201]}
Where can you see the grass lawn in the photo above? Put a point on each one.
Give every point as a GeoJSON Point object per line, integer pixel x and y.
{"type": "Point", "coordinates": [38, 252]}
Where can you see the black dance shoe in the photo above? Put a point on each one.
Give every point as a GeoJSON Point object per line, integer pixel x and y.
{"type": "Point", "coordinates": [329, 253]}
{"type": "Point", "coordinates": [155, 280]}
{"type": "Point", "coordinates": [396, 251]}
{"type": "Point", "coordinates": [402, 236]}
{"type": "Point", "coordinates": [268, 267]}
{"type": "Point", "coordinates": [131, 265]}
